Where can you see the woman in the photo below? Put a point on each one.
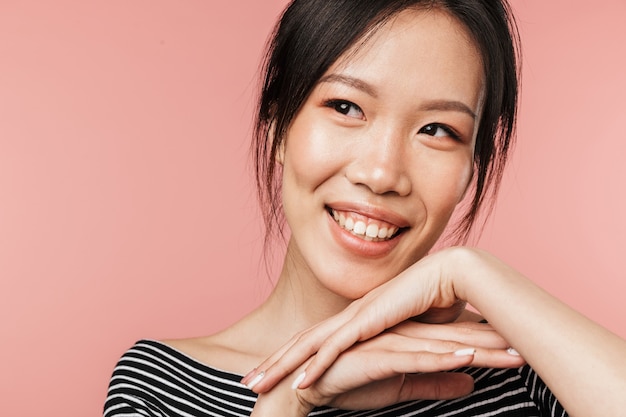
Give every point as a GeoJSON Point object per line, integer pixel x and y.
{"type": "Point", "coordinates": [377, 120]}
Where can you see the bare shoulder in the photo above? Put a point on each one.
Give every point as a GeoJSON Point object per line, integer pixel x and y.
{"type": "Point", "coordinates": [218, 351]}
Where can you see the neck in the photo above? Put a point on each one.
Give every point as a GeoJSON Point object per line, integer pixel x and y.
{"type": "Point", "coordinates": [299, 301]}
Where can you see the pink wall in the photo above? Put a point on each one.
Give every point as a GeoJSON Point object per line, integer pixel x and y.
{"type": "Point", "coordinates": [125, 202]}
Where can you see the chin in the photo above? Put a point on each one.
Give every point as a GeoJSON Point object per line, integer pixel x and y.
{"type": "Point", "coordinates": [354, 281]}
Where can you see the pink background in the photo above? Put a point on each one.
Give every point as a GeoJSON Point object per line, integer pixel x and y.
{"type": "Point", "coordinates": [126, 209]}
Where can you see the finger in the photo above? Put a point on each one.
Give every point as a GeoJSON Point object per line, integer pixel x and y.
{"type": "Point", "coordinates": [370, 365]}
{"type": "Point", "coordinates": [497, 358]}
{"type": "Point", "coordinates": [483, 357]}
{"type": "Point", "coordinates": [273, 369]}
{"type": "Point", "coordinates": [364, 320]}
{"type": "Point", "coordinates": [373, 379]}
{"type": "Point", "coordinates": [326, 341]}
{"type": "Point", "coordinates": [293, 354]}
{"type": "Point", "coordinates": [379, 394]}
{"type": "Point", "coordinates": [268, 361]}
{"type": "Point", "coordinates": [471, 334]}
{"type": "Point", "coordinates": [361, 320]}
{"type": "Point", "coordinates": [387, 364]}
{"type": "Point", "coordinates": [338, 342]}
{"type": "Point", "coordinates": [359, 367]}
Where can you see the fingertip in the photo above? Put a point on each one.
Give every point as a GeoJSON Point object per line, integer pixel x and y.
{"type": "Point", "coordinates": [438, 386]}
{"type": "Point", "coordinates": [298, 381]}
{"type": "Point", "coordinates": [511, 351]}
{"type": "Point", "coordinates": [466, 384]}
{"type": "Point", "coordinates": [458, 385]}
{"type": "Point", "coordinates": [247, 377]}
{"type": "Point", "coordinates": [306, 379]}
{"type": "Point", "coordinates": [465, 352]}
{"type": "Point", "coordinates": [255, 381]}
{"type": "Point", "coordinates": [464, 357]}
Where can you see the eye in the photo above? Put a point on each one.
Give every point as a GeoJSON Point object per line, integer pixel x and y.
{"type": "Point", "coordinates": [439, 131]}
{"type": "Point", "coordinates": [346, 108]}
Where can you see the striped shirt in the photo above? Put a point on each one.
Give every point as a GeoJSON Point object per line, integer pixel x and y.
{"type": "Point", "coordinates": [153, 379]}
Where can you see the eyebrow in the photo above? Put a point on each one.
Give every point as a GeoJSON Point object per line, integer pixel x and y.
{"type": "Point", "coordinates": [448, 105]}
{"type": "Point", "coordinates": [430, 105]}
{"type": "Point", "coordinates": [351, 82]}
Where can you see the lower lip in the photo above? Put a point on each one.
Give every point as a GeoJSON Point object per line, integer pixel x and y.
{"type": "Point", "coordinates": [358, 246]}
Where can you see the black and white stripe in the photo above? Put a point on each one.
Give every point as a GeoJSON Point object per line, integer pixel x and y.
{"type": "Point", "coordinates": [153, 379]}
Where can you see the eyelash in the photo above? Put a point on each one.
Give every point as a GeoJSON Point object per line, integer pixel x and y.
{"type": "Point", "coordinates": [338, 105]}
{"type": "Point", "coordinates": [449, 131]}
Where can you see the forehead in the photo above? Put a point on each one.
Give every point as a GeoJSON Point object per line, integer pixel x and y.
{"type": "Point", "coordinates": [428, 50]}
{"type": "Point", "coordinates": [421, 25]}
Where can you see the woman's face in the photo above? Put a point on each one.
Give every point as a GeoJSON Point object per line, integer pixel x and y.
{"type": "Point", "coordinates": [381, 152]}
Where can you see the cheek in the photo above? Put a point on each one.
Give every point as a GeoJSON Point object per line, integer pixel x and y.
{"type": "Point", "coordinates": [446, 182]}
{"type": "Point", "coordinates": [464, 178]}
{"type": "Point", "coordinates": [310, 156]}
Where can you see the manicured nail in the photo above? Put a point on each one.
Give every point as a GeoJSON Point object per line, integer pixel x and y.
{"type": "Point", "coordinates": [256, 380]}
{"type": "Point", "coordinates": [248, 375]}
{"type": "Point", "coordinates": [512, 351]}
{"type": "Point", "coordinates": [298, 381]}
{"type": "Point", "coordinates": [465, 352]}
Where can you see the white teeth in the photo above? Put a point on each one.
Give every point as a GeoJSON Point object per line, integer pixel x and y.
{"type": "Point", "coordinates": [359, 228]}
{"type": "Point", "coordinates": [371, 231]}
{"type": "Point", "coordinates": [349, 224]}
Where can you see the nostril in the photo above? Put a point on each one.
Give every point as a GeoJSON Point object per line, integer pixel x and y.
{"type": "Point", "coordinates": [381, 180]}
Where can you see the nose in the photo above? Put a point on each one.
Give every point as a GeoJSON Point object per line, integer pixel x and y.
{"type": "Point", "coordinates": [380, 164]}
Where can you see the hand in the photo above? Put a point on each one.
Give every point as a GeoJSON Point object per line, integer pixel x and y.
{"type": "Point", "coordinates": [402, 364]}
{"type": "Point", "coordinates": [406, 363]}
{"type": "Point", "coordinates": [422, 286]}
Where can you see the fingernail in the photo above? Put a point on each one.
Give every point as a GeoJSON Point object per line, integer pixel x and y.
{"type": "Point", "coordinates": [512, 351]}
{"type": "Point", "coordinates": [256, 380]}
{"type": "Point", "coordinates": [465, 352]}
{"type": "Point", "coordinates": [298, 380]}
{"type": "Point", "coordinates": [248, 375]}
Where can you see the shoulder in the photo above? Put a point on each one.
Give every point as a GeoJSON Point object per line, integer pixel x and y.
{"type": "Point", "coordinates": [153, 378]}
{"type": "Point", "coordinates": [219, 351]}
{"type": "Point", "coordinates": [152, 357]}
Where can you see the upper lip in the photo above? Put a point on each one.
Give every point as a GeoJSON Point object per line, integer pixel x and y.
{"type": "Point", "coordinates": [372, 211]}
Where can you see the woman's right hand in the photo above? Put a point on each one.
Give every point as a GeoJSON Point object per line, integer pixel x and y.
{"type": "Point", "coordinates": [407, 362]}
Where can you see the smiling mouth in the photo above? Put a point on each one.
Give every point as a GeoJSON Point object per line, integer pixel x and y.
{"type": "Point", "coordinates": [363, 227]}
